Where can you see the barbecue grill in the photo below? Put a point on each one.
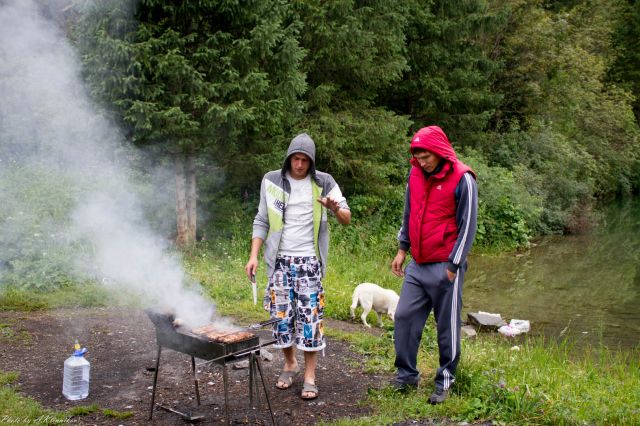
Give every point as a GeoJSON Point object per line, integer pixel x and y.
{"type": "Point", "coordinates": [182, 339]}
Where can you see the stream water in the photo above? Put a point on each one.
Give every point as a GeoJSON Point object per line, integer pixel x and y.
{"type": "Point", "coordinates": [583, 286]}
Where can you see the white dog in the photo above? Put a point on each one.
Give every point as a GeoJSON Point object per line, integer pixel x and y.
{"type": "Point", "coordinates": [372, 296]}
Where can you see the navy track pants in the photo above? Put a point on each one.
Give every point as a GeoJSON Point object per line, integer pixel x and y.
{"type": "Point", "coordinates": [426, 287]}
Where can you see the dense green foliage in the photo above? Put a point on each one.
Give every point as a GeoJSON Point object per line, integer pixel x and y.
{"type": "Point", "coordinates": [448, 81]}
{"type": "Point", "coordinates": [626, 67]}
{"type": "Point", "coordinates": [537, 96]}
{"type": "Point", "coordinates": [561, 119]}
{"type": "Point", "coordinates": [217, 78]}
{"type": "Point", "coordinates": [33, 247]}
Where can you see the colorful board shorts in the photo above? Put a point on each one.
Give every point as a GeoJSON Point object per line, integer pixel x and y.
{"type": "Point", "coordinates": [295, 295]}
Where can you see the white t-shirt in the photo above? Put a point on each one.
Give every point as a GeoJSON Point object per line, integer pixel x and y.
{"type": "Point", "coordinates": [297, 234]}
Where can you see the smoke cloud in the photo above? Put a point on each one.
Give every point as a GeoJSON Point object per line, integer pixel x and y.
{"type": "Point", "coordinates": [54, 140]}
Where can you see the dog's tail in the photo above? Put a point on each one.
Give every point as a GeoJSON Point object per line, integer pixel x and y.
{"type": "Point", "coordinates": [355, 299]}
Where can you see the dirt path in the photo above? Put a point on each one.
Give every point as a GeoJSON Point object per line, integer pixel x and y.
{"type": "Point", "coordinates": [122, 352]}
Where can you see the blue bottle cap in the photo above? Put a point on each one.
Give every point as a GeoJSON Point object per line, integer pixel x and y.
{"type": "Point", "coordinates": [77, 351]}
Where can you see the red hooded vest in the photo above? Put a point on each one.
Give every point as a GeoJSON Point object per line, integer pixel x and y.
{"type": "Point", "coordinates": [432, 221]}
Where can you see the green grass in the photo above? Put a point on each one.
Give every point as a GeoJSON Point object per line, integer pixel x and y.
{"type": "Point", "coordinates": [541, 383]}
{"type": "Point", "coordinates": [86, 294]}
{"type": "Point", "coordinates": [17, 409]}
{"type": "Point", "coordinates": [121, 415]}
{"type": "Point", "coordinates": [10, 331]}
{"type": "Point", "coordinates": [8, 378]}
{"type": "Point", "coordinates": [84, 410]}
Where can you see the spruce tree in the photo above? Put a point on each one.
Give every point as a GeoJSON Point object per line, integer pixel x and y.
{"type": "Point", "coordinates": [448, 83]}
{"type": "Point", "coordinates": [198, 77]}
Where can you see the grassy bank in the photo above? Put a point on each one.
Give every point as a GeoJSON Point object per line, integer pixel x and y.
{"type": "Point", "coordinates": [524, 381]}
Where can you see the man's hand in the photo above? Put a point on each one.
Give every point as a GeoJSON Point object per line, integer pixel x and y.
{"type": "Point", "coordinates": [398, 261]}
{"type": "Point", "coordinates": [343, 215]}
{"type": "Point", "coordinates": [329, 203]}
{"type": "Point", "coordinates": [251, 267]}
{"type": "Point", "coordinates": [451, 275]}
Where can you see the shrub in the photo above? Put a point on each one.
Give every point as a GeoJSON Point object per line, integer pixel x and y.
{"type": "Point", "coordinates": [506, 210]}
{"type": "Point", "coordinates": [33, 246]}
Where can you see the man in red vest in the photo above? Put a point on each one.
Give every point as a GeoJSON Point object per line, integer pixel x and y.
{"type": "Point", "coordinates": [439, 225]}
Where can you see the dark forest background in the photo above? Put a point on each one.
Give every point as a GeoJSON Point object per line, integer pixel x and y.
{"type": "Point", "coordinates": [539, 97]}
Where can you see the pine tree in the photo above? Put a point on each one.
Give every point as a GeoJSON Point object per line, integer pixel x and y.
{"type": "Point", "coordinates": [220, 78]}
{"type": "Point", "coordinates": [448, 83]}
{"type": "Point", "coordinates": [354, 51]}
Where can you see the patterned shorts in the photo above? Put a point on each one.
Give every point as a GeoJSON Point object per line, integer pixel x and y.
{"type": "Point", "coordinates": [295, 295]}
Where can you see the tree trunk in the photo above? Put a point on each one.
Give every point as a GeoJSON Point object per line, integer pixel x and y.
{"type": "Point", "coordinates": [182, 220]}
{"type": "Point", "coordinates": [191, 197]}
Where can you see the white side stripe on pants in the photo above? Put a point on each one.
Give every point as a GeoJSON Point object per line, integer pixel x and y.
{"type": "Point", "coordinates": [447, 379]}
{"type": "Point", "coordinates": [454, 331]}
{"type": "Point", "coordinates": [458, 256]}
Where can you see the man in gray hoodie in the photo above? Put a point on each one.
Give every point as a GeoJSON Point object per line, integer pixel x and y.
{"type": "Point", "coordinates": [292, 224]}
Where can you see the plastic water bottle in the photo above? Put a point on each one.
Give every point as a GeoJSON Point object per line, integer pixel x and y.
{"type": "Point", "coordinates": [75, 384]}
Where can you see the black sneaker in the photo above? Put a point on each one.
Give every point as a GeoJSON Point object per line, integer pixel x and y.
{"type": "Point", "coordinates": [439, 396]}
{"type": "Point", "coordinates": [402, 386]}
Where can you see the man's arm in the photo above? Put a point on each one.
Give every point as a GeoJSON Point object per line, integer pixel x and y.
{"type": "Point", "coordinates": [403, 238]}
{"type": "Point", "coordinates": [337, 204]}
{"type": "Point", "coordinates": [466, 220]}
{"type": "Point", "coordinates": [261, 221]}
{"type": "Point", "coordinates": [342, 214]}
{"type": "Point", "coordinates": [259, 234]}
{"type": "Point", "coordinates": [252, 265]}
{"type": "Point", "coordinates": [403, 234]}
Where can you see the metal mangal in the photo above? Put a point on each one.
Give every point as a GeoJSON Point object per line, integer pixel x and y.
{"type": "Point", "coordinates": [182, 340]}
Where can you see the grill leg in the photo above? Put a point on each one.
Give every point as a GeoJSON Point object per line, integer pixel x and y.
{"type": "Point", "coordinates": [251, 382]}
{"type": "Point", "coordinates": [264, 386]}
{"type": "Point", "coordinates": [255, 376]}
{"type": "Point", "coordinates": [195, 379]}
{"type": "Point", "coordinates": [225, 379]}
{"type": "Point", "coordinates": [155, 381]}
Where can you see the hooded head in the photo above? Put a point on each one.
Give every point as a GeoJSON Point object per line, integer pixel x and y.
{"type": "Point", "coordinates": [301, 144]}
{"type": "Point", "coordinates": [434, 140]}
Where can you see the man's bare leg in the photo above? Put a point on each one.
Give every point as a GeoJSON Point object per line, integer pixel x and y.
{"type": "Point", "coordinates": [290, 364]}
{"type": "Point", "coordinates": [310, 363]}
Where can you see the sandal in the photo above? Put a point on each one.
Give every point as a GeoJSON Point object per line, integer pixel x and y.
{"type": "Point", "coordinates": [286, 377]}
{"type": "Point", "coordinates": [309, 391]}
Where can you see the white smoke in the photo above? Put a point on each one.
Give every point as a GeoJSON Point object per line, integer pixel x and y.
{"type": "Point", "coordinates": [47, 121]}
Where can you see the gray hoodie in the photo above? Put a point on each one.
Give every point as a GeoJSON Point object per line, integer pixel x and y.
{"type": "Point", "coordinates": [274, 195]}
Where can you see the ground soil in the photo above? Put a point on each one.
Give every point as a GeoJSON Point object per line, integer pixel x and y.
{"type": "Point", "coordinates": [122, 351]}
